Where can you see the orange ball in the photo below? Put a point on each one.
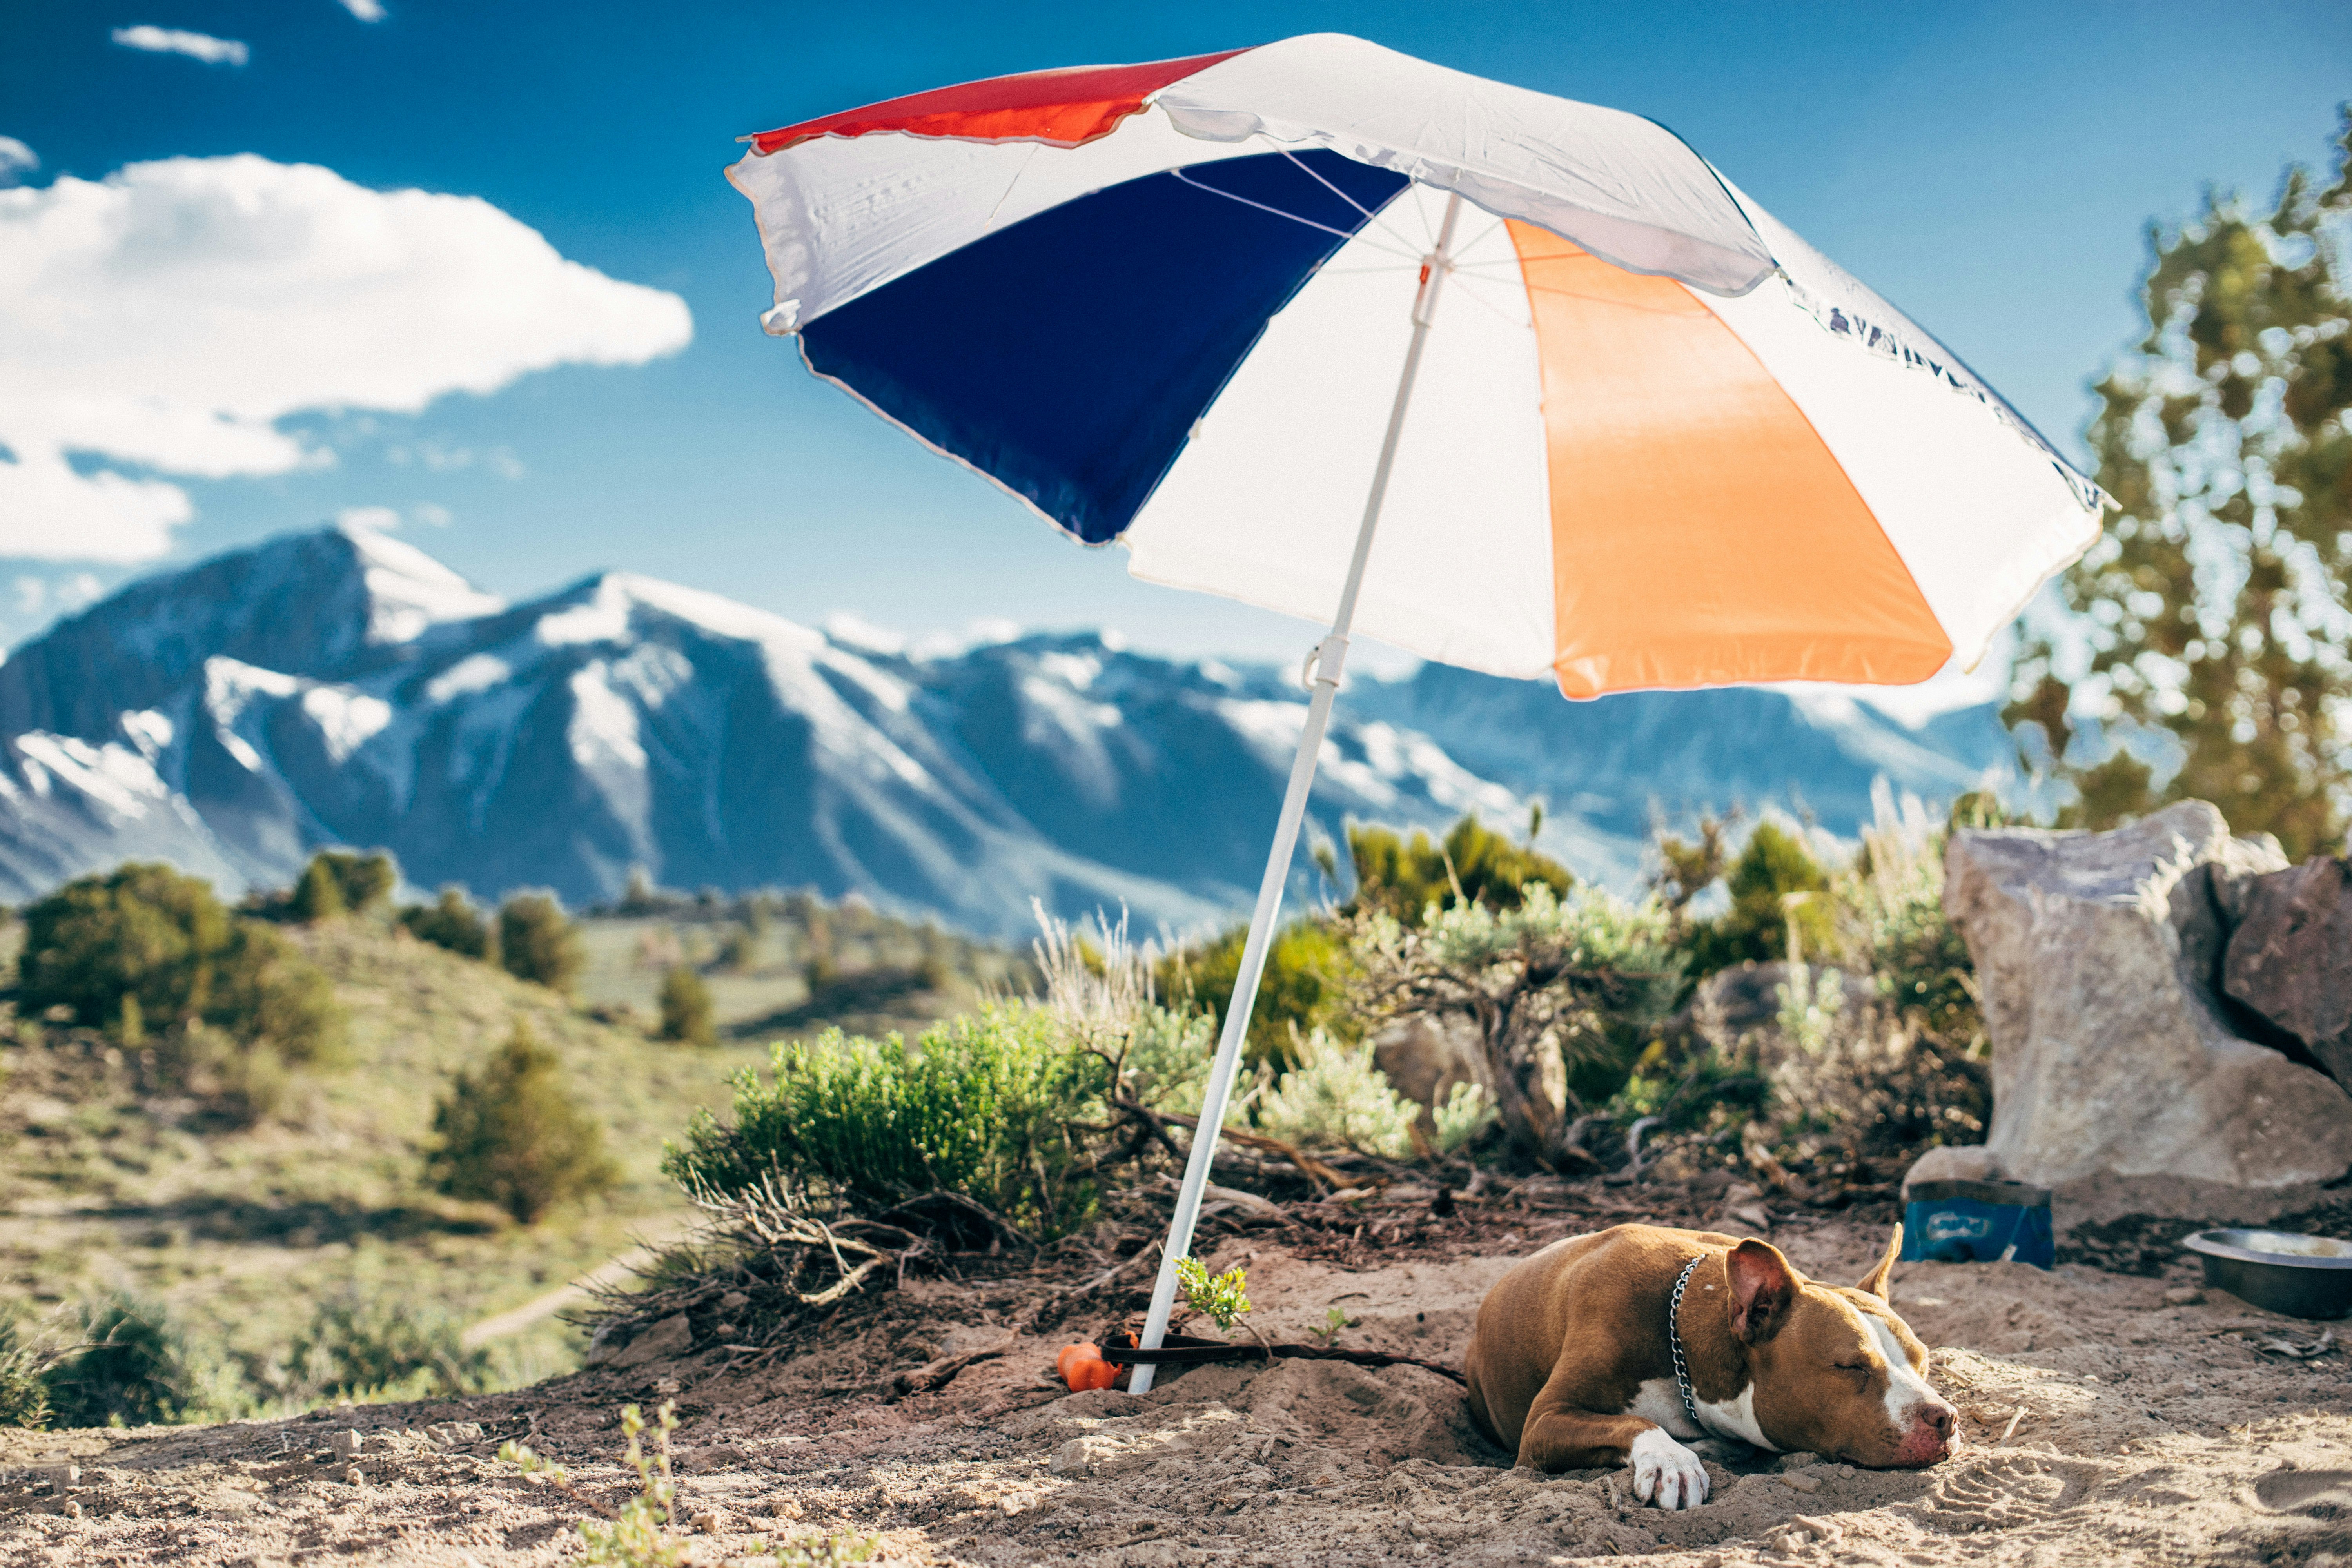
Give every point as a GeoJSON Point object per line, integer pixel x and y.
{"type": "Point", "coordinates": [1082, 1367]}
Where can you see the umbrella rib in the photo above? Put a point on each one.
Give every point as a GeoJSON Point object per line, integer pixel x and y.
{"type": "Point", "coordinates": [1277, 211]}
{"type": "Point", "coordinates": [1369, 215]}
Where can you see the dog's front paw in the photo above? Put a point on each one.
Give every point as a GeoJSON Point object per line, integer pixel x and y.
{"type": "Point", "coordinates": [1666, 1473]}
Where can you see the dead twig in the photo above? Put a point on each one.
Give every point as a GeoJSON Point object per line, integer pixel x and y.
{"type": "Point", "coordinates": [1306, 1162]}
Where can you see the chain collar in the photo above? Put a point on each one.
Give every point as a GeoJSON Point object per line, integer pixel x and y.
{"type": "Point", "coordinates": [1675, 1340]}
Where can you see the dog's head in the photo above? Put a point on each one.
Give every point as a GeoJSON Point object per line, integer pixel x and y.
{"type": "Point", "coordinates": [1836, 1372]}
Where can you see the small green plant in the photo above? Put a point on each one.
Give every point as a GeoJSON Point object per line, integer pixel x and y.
{"type": "Point", "coordinates": [537, 942]}
{"type": "Point", "coordinates": [450, 921]}
{"type": "Point", "coordinates": [511, 1135]}
{"type": "Point", "coordinates": [637, 1534]}
{"type": "Point", "coordinates": [685, 1007]}
{"type": "Point", "coordinates": [826, 1552]}
{"type": "Point", "coordinates": [1335, 1322]}
{"type": "Point", "coordinates": [1219, 1297]}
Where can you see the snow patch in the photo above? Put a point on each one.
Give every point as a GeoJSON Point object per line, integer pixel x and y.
{"type": "Point", "coordinates": [475, 672]}
{"type": "Point", "coordinates": [347, 720]}
{"type": "Point", "coordinates": [604, 727]}
{"type": "Point", "coordinates": [409, 592]}
{"type": "Point", "coordinates": [149, 731]}
{"type": "Point", "coordinates": [114, 776]}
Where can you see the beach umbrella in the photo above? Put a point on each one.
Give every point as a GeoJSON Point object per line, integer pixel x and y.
{"type": "Point", "coordinates": [1658, 441]}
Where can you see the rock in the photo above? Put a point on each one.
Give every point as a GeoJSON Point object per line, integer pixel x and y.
{"type": "Point", "coordinates": [1953, 1163]}
{"type": "Point", "coordinates": [2096, 954]}
{"type": "Point", "coordinates": [672, 1336]}
{"type": "Point", "coordinates": [1424, 1056]}
{"type": "Point", "coordinates": [2290, 960]}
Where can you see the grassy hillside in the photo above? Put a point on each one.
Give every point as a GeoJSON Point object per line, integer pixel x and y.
{"type": "Point", "coordinates": [782, 964]}
{"type": "Point", "coordinates": [106, 1184]}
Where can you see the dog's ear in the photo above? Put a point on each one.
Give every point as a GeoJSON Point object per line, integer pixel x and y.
{"type": "Point", "coordinates": [1763, 1288]}
{"type": "Point", "coordinates": [1874, 1282]}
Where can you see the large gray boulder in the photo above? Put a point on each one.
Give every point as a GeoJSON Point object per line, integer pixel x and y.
{"type": "Point", "coordinates": [2097, 956]}
{"type": "Point", "coordinates": [2290, 960]}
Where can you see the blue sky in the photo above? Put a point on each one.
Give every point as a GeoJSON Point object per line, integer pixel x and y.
{"type": "Point", "coordinates": [1989, 168]}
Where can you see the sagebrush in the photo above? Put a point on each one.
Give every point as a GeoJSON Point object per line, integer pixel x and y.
{"type": "Point", "coordinates": [979, 1106]}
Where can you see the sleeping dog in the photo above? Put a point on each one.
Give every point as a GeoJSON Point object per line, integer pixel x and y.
{"type": "Point", "coordinates": [1607, 1349]}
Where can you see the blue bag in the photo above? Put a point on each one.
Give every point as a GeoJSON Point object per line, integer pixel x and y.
{"type": "Point", "coordinates": [1977, 1222]}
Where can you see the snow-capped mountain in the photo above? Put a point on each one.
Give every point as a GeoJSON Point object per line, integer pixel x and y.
{"type": "Point", "coordinates": [340, 686]}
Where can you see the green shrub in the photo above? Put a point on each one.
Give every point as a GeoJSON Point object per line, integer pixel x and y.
{"type": "Point", "coordinates": [1303, 987]}
{"type": "Point", "coordinates": [976, 1107]}
{"type": "Point", "coordinates": [1336, 1098]}
{"type": "Point", "coordinates": [145, 949]}
{"type": "Point", "coordinates": [511, 1135]}
{"type": "Point", "coordinates": [1775, 885]}
{"type": "Point", "coordinates": [128, 1366]}
{"type": "Point", "coordinates": [143, 932]}
{"type": "Point", "coordinates": [1403, 878]}
{"type": "Point", "coordinates": [451, 921]}
{"type": "Point", "coordinates": [24, 1396]}
{"type": "Point", "coordinates": [1557, 982]}
{"type": "Point", "coordinates": [317, 895]}
{"type": "Point", "coordinates": [536, 942]}
{"type": "Point", "coordinates": [375, 1345]}
{"type": "Point", "coordinates": [685, 1007]}
{"type": "Point", "coordinates": [1468, 1112]}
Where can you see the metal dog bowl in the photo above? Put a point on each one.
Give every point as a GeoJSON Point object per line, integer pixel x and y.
{"type": "Point", "coordinates": [2278, 1270]}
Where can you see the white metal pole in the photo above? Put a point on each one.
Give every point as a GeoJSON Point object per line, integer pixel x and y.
{"type": "Point", "coordinates": [1330, 655]}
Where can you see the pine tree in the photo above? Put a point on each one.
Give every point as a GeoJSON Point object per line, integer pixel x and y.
{"type": "Point", "coordinates": [2214, 606]}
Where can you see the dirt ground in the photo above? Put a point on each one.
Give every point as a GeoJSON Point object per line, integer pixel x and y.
{"type": "Point", "coordinates": [2110, 1418]}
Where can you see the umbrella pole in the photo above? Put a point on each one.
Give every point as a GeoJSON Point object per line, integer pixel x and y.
{"type": "Point", "coordinates": [1325, 662]}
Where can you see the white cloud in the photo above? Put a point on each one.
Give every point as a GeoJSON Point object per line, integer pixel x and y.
{"type": "Point", "coordinates": [15, 160]}
{"type": "Point", "coordinates": [173, 41]}
{"type": "Point", "coordinates": [81, 588]}
{"type": "Point", "coordinates": [32, 593]}
{"type": "Point", "coordinates": [380, 518]}
{"type": "Point", "coordinates": [166, 318]}
{"type": "Point", "coordinates": [365, 10]}
{"type": "Point", "coordinates": [431, 515]}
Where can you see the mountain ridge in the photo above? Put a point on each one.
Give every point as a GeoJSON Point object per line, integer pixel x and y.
{"type": "Point", "coordinates": [338, 686]}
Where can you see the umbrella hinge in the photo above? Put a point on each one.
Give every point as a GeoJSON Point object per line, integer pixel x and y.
{"type": "Point", "coordinates": [1327, 661]}
{"type": "Point", "coordinates": [1434, 268]}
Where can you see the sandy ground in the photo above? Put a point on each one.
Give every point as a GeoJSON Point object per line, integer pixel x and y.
{"type": "Point", "coordinates": [2108, 1420]}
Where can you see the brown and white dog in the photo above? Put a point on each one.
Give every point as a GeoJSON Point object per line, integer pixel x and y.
{"type": "Point", "coordinates": [1571, 1364]}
